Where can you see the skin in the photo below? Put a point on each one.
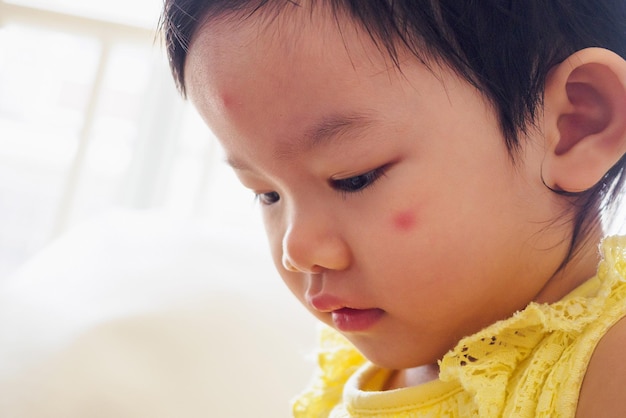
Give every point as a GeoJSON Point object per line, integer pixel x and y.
{"type": "Point", "coordinates": [602, 392]}
{"type": "Point", "coordinates": [446, 236]}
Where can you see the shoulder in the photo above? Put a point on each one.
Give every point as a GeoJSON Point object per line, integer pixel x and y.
{"type": "Point", "coordinates": [604, 385]}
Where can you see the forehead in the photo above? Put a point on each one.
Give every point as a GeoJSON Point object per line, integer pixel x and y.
{"type": "Point", "coordinates": [287, 21]}
{"type": "Point", "coordinates": [292, 36]}
{"type": "Point", "coordinates": [290, 39]}
{"type": "Point", "coordinates": [287, 61]}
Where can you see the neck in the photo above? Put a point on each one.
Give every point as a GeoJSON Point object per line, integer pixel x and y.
{"type": "Point", "coordinates": [412, 377]}
{"type": "Point", "coordinates": [582, 266]}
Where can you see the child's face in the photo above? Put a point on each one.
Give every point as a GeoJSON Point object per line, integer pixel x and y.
{"type": "Point", "coordinates": [393, 209]}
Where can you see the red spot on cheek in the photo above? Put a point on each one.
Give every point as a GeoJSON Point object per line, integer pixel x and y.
{"type": "Point", "coordinates": [404, 221]}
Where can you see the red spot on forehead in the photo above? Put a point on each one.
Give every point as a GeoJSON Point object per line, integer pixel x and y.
{"type": "Point", "coordinates": [229, 106]}
{"type": "Point", "coordinates": [227, 100]}
{"type": "Point", "coordinates": [404, 220]}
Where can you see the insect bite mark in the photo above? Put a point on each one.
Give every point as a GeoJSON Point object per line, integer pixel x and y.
{"type": "Point", "coordinates": [404, 221]}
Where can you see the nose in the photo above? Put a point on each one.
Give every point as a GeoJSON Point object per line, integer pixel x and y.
{"type": "Point", "coordinates": [310, 247]}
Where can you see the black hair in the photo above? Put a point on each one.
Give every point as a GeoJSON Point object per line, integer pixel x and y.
{"type": "Point", "coordinates": [505, 48]}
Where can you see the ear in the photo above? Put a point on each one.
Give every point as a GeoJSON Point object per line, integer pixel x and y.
{"type": "Point", "coordinates": [584, 119]}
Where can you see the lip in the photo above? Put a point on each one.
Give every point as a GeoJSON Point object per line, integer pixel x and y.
{"type": "Point", "coordinates": [356, 320]}
{"type": "Point", "coordinates": [325, 303]}
{"type": "Point", "coordinates": [345, 318]}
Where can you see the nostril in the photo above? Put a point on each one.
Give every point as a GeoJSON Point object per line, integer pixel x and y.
{"type": "Point", "coordinates": [288, 265]}
{"type": "Point", "coordinates": [316, 269]}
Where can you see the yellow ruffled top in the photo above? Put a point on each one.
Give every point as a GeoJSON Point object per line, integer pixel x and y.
{"type": "Point", "coordinates": [530, 365]}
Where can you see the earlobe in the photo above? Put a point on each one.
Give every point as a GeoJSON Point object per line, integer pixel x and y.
{"type": "Point", "coordinates": [584, 119]}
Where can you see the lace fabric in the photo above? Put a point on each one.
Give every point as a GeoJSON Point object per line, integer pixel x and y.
{"type": "Point", "coordinates": [337, 360]}
{"type": "Point", "coordinates": [530, 365]}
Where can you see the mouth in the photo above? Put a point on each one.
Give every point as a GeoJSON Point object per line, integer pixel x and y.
{"type": "Point", "coordinates": [356, 320]}
{"type": "Point", "coordinates": [344, 318]}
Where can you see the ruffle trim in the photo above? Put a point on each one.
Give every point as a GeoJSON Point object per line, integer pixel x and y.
{"type": "Point", "coordinates": [484, 363]}
{"type": "Point", "coordinates": [337, 361]}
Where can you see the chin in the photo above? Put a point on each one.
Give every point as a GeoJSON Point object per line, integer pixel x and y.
{"type": "Point", "coordinates": [396, 358]}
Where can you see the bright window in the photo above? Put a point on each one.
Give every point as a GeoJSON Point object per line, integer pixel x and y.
{"type": "Point", "coordinates": [90, 121]}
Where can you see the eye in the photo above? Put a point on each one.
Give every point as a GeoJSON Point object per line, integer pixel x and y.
{"type": "Point", "coordinates": [268, 198]}
{"type": "Point", "coordinates": [357, 183]}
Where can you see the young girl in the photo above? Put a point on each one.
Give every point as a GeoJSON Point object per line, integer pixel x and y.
{"type": "Point", "coordinates": [431, 176]}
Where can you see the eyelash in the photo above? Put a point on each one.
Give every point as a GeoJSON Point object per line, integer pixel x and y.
{"type": "Point", "coordinates": [354, 184]}
{"type": "Point", "coordinates": [268, 198]}
{"type": "Point", "coordinates": [360, 182]}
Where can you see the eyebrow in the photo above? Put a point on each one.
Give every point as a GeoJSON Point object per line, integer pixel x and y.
{"type": "Point", "coordinates": [332, 128]}
{"type": "Point", "coordinates": [327, 130]}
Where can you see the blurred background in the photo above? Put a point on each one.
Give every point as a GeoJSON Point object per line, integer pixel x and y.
{"type": "Point", "coordinates": [90, 121]}
{"type": "Point", "coordinates": [134, 275]}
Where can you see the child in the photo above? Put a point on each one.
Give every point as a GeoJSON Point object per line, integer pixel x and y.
{"type": "Point", "coordinates": [431, 176]}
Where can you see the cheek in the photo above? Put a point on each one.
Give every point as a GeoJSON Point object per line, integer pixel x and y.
{"type": "Point", "coordinates": [274, 241]}
{"type": "Point", "coordinates": [404, 221]}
